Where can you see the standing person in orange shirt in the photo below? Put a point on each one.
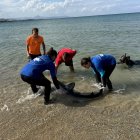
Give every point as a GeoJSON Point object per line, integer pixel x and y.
{"type": "Point", "coordinates": [33, 43]}
{"type": "Point", "coordinates": [65, 55]}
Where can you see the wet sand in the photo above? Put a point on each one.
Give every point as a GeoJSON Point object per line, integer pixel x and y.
{"type": "Point", "coordinates": [114, 116]}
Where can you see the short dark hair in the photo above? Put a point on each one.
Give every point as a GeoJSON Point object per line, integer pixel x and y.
{"type": "Point", "coordinates": [35, 30]}
{"type": "Point", "coordinates": [66, 55]}
{"type": "Point", "coordinates": [85, 60]}
{"type": "Point", "coordinates": [52, 52]}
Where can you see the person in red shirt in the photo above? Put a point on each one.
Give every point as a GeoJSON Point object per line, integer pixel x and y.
{"type": "Point", "coordinates": [33, 43]}
{"type": "Point", "coordinates": [65, 55]}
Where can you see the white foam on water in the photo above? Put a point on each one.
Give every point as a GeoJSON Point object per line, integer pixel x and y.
{"type": "Point", "coordinates": [27, 97]}
{"type": "Point", "coordinates": [28, 91]}
{"type": "Point", "coordinates": [5, 107]}
{"type": "Point", "coordinates": [83, 78]}
{"type": "Point", "coordinates": [97, 85]}
{"type": "Point", "coordinates": [119, 91]}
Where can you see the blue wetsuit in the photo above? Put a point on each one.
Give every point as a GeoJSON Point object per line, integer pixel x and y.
{"type": "Point", "coordinates": [36, 67]}
{"type": "Point", "coordinates": [32, 73]}
{"type": "Point", "coordinates": [103, 65]}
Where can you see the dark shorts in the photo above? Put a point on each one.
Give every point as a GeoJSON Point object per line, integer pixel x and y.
{"type": "Point", "coordinates": [32, 56]}
{"type": "Point", "coordinates": [69, 63]}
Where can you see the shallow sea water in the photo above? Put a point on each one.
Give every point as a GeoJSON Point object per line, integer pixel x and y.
{"type": "Point", "coordinates": [115, 116]}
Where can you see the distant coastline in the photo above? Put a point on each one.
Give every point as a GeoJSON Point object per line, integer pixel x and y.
{"type": "Point", "coordinates": [60, 17]}
{"type": "Point", "coordinates": [4, 20]}
{"type": "Point", "coordinates": [29, 19]}
{"type": "Point", "coordinates": [12, 20]}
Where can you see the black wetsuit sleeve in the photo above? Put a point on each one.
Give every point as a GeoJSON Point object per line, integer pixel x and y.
{"type": "Point", "coordinates": [97, 77]}
{"type": "Point", "coordinates": [56, 83]}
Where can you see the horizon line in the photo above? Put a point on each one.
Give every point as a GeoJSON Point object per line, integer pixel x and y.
{"type": "Point", "coordinates": [58, 17]}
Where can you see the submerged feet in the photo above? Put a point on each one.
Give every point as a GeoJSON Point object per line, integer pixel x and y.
{"type": "Point", "coordinates": [51, 101]}
{"type": "Point", "coordinates": [35, 90]}
{"type": "Point", "coordinates": [110, 89]}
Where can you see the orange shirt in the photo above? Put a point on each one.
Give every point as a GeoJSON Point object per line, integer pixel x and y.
{"type": "Point", "coordinates": [34, 44]}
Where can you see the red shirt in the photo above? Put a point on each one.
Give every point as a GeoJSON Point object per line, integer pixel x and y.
{"type": "Point", "coordinates": [59, 58]}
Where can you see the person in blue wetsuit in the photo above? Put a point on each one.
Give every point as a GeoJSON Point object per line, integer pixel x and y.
{"type": "Point", "coordinates": [32, 73]}
{"type": "Point", "coordinates": [102, 65]}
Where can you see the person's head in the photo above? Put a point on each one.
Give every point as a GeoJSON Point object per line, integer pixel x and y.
{"type": "Point", "coordinates": [124, 58]}
{"type": "Point", "coordinates": [52, 54]}
{"type": "Point", "coordinates": [85, 62]}
{"type": "Point", "coordinates": [35, 32]}
{"type": "Point", "coordinates": [65, 57]}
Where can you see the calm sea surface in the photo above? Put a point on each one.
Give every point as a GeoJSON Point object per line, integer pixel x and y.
{"type": "Point", "coordinates": [114, 117]}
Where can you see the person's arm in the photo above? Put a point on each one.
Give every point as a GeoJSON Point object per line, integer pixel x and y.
{"type": "Point", "coordinates": [101, 73]}
{"type": "Point", "coordinates": [97, 77]}
{"type": "Point", "coordinates": [56, 67]}
{"type": "Point", "coordinates": [53, 75]}
{"type": "Point", "coordinates": [55, 82]}
{"type": "Point", "coordinates": [57, 62]}
{"type": "Point", "coordinates": [103, 81]}
{"type": "Point", "coordinates": [27, 47]}
{"type": "Point", "coordinates": [27, 51]}
{"type": "Point", "coordinates": [44, 48]}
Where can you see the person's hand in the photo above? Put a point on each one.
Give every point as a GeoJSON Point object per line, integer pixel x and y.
{"type": "Point", "coordinates": [99, 85]}
{"type": "Point", "coordinates": [28, 56]}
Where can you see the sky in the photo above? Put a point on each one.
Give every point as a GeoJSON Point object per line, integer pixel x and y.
{"type": "Point", "coordinates": [65, 8]}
